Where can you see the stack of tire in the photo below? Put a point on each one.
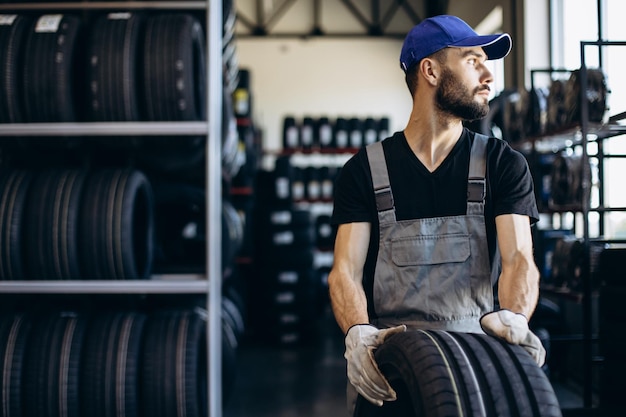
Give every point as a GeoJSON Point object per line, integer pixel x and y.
{"type": "Point", "coordinates": [325, 135]}
{"type": "Point", "coordinates": [287, 291]}
{"type": "Point", "coordinates": [110, 363]}
{"type": "Point", "coordinates": [516, 113]}
{"type": "Point", "coordinates": [285, 287]}
{"type": "Point", "coordinates": [313, 183]}
{"type": "Point", "coordinates": [566, 181]}
{"type": "Point", "coordinates": [62, 224]}
{"type": "Point", "coordinates": [612, 322]}
{"type": "Point", "coordinates": [115, 67]}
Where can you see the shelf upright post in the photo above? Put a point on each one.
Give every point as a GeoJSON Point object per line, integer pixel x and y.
{"type": "Point", "coordinates": [586, 194]}
{"type": "Point", "coordinates": [214, 198]}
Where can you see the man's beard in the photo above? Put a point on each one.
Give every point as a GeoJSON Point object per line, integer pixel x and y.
{"type": "Point", "coordinates": [454, 98]}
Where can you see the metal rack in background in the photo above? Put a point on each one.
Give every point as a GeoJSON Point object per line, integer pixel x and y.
{"type": "Point", "coordinates": [587, 277]}
{"type": "Point", "coordinates": [187, 284]}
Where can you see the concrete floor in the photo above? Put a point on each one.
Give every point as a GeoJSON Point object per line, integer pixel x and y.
{"type": "Point", "coordinates": [309, 380]}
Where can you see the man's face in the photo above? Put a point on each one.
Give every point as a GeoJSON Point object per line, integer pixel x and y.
{"type": "Point", "coordinates": [463, 96]}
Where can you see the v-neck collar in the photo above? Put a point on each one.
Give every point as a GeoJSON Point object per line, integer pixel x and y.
{"type": "Point", "coordinates": [455, 149]}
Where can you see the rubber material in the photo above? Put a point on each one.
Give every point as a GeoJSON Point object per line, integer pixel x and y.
{"type": "Point", "coordinates": [438, 373]}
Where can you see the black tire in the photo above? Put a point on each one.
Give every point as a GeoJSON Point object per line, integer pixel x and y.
{"type": "Point", "coordinates": [111, 68]}
{"type": "Point", "coordinates": [568, 262]}
{"type": "Point", "coordinates": [110, 366]}
{"type": "Point", "coordinates": [117, 225]}
{"type": "Point", "coordinates": [566, 180]}
{"type": "Point", "coordinates": [51, 375]}
{"type": "Point", "coordinates": [438, 373]}
{"type": "Point", "coordinates": [53, 210]}
{"type": "Point", "coordinates": [229, 358]}
{"type": "Point", "coordinates": [174, 68]}
{"type": "Point", "coordinates": [180, 226]}
{"type": "Point", "coordinates": [556, 108]}
{"type": "Point", "coordinates": [233, 315]}
{"type": "Point", "coordinates": [14, 186]}
{"type": "Point", "coordinates": [232, 234]}
{"type": "Point", "coordinates": [12, 37]}
{"type": "Point", "coordinates": [48, 71]}
{"type": "Point", "coordinates": [596, 95]}
{"type": "Point", "coordinates": [174, 368]}
{"type": "Point", "coordinates": [14, 333]}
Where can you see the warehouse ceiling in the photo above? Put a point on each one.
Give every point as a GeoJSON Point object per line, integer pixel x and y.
{"type": "Point", "coordinates": [338, 18]}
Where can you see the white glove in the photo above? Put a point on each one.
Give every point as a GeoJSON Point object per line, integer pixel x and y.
{"type": "Point", "coordinates": [363, 373]}
{"type": "Point", "coordinates": [513, 328]}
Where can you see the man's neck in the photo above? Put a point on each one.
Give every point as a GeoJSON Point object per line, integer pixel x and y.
{"type": "Point", "coordinates": [432, 139]}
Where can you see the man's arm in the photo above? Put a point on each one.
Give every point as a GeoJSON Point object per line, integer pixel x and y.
{"type": "Point", "coordinates": [345, 280]}
{"type": "Point", "coordinates": [518, 287]}
{"type": "Point", "coordinates": [349, 304]}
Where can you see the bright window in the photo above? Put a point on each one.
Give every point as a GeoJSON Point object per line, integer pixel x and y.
{"type": "Point", "coordinates": [574, 21]}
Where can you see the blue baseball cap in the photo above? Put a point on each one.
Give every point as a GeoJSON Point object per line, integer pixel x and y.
{"type": "Point", "coordinates": [438, 32]}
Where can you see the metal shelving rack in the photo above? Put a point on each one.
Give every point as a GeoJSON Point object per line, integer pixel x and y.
{"type": "Point", "coordinates": [580, 136]}
{"type": "Point", "coordinates": [586, 209]}
{"type": "Point", "coordinates": [161, 284]}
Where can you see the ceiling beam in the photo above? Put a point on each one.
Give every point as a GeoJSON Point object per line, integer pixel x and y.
{"type": "Point", "coordinates": [371, 18]}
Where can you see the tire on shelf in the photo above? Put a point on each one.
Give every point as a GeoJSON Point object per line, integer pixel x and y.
{"type": "Point", "coordinates": [173, 88]}
{"type": "Point", "coordinates": [117, 225]}
{"type": "Point", "coordinates": [111, 64]}
{"type": "Point", "coordinates": [48, 71]}
{"type": "Point", "coordinates": [233, 315]}
{"type": "Point", "coordinates": [232, 234]}
{"type": "Point", "coordinates": [181, 227]}
{"type": "Point", "coordinates": [537, 117]}
{"type": "Point", "coordinates": [52, 221]}
{"type": "Point", "coordinates": [230, 343]}
{"type": "Point", "coordinates": [438, 373]}
{"type": "Point", "coordinates": [110, 367]}
{"type": "Point", "coordinates": [566, 180]}
{"type": "Point", "coordinates": [174, 68]}
{"type": "Point", "coordinates": [13, 29]}
{"type": "Point", "coordinates": [596, 95]}
{"type": "Point", "coordinates": [14, 333]}
{"type": "Point", "coordinates": [51, 375]}
{"type": "Point", "coordinates": [556, 109]}
{"type": "Point", "coordinates": [14, 185]}
{"type": "Point", "coordinates": [174, 365]}
{"type": "Point", "coordinates": [568, 262]}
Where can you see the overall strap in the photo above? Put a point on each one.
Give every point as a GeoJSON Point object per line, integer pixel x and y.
{"type": "Point", "coordinates": [380, 178]}
{"type": "Point", "coordinates": [476, 183]}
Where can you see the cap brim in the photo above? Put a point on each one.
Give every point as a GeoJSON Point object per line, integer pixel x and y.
{"type": "Point", "coordinates": [495, 46]}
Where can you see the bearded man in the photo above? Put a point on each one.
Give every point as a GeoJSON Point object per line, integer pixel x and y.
{"type": "Point", "coordinates": [434, 220]}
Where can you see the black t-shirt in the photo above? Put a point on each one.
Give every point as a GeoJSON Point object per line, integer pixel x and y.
{"type": "Point", "coordinates": [419, 193]}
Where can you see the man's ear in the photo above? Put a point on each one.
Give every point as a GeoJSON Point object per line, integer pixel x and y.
{"type": "Point", "coordinates": [430, 70]}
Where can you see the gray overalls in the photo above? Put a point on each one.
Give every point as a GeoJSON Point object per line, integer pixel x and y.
{"type": "Point", "coordinates": [432, 273]}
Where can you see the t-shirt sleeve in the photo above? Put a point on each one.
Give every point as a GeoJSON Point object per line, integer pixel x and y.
{"type": "Point", "coordinates": [353, 196]}
{"type": "Point", "coordinates": [514, 190]}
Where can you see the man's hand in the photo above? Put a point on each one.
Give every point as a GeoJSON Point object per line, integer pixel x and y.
{"type": "Point", "coordinates": [363, 373]}
{"type": "Point", "coordinates": [513, 328]}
